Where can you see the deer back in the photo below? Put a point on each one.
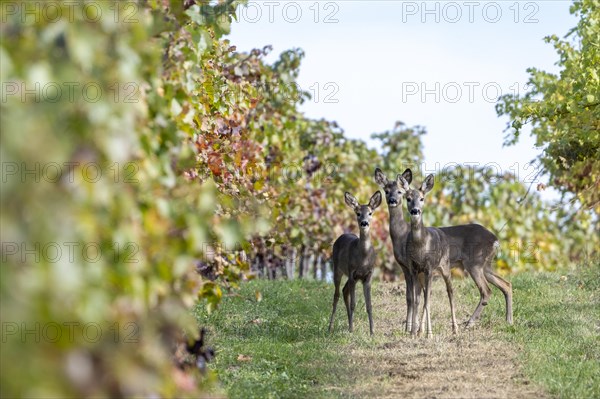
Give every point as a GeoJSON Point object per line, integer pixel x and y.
{"type": "Point", "coordinates": [470, 243]}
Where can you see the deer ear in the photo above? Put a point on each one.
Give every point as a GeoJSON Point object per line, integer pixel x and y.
{"type": "Point", "coordinates": [427, 184]}
{"type": "Point", "coordinates": [407, 174]}
{"type": "Point", "coordinates": [380, 177]}
{"type": "Point", "coordinates": [404, 185]}
{"type": "Point", "coordinates": [375, 200]}
{"type": "Point", "coordinates": [350, 200]}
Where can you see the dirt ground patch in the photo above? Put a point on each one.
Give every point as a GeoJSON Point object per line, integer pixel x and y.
{"type": "Point", "coordinates": [474, 363]}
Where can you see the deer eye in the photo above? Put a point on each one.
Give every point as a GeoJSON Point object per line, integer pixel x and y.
{"type": "Point", "coordinates": [357, 213]}
{"type": "Point", "coordinates": [387, 192]}
{"type": "Point", "coordinates": [422, 199]}
{"type": "Point", "coordinates": [370, 213]}
{"type": "Point", "coordinates": [408, 200]}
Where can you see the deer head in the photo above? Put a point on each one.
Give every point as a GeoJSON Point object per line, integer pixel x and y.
{"type": "Point", "coordinates": [416, 198]}
{"type": "Point", "coordinates": [394, 189]}
{"type": "Point", "coordinates": [364, 213]}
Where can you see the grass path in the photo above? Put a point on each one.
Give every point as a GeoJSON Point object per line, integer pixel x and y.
{"type": "Point", "coordinates": [474, 363]}
{"type": "Point", "coordinates": [279, 346]}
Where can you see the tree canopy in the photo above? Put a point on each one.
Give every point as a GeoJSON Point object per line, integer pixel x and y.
{"type": "Point", "coordinates": [564, 109]}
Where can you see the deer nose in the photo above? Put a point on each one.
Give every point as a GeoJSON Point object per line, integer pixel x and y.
{"type": "Point", "coordinates": [364, 224]}
{"type": "Point", "coordinates": [393, 201]}
{"type": "Point", "coordinates": [415, 211]}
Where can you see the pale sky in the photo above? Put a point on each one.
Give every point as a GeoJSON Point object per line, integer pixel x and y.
{"type": "Point", "coordinates": [436, 64]}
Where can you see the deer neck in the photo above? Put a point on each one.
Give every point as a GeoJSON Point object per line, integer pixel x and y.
{"type": "Point", "coordinates": [399, 228]}
{"type": "Point", "coordinates": [365, 241]}
{"type": "Point", "coordinates": [418, 230]}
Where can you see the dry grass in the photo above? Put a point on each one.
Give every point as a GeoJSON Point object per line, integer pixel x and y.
{"type": "Point", "coordinates": [472, 364]}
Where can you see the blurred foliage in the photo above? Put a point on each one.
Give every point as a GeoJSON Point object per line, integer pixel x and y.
{"type": "Point", "coordinates": [401, 147]}
{"type": "Point", "coordinates": [105, 327]}
{"type": "Point", "coordinates": [564, 109]}
{"type": "Point", "coordinates": [206, 165]}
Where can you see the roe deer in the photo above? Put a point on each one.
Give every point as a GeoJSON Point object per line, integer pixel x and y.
{"type": "Point", "coordinates": [428, 250]}
{"type": "Point", "coordinates": [355, 257]}
{"type": "Point", "coordinates": [399, 229]}
{"type": "Point", "coordinates": [472, 248]}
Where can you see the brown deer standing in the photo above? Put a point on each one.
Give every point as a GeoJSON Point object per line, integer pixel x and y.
{"type": "Point", "coordinates": [355, 257]}
{"type": "Point", "coordinates": [472, 248]}
{"type": "Point", "coordinates": [428, 250]}
{"type": "Point", "coordinates": [399, 229]}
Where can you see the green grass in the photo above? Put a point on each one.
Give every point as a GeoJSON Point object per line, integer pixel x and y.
{"type": "Point", "coordinates": [279, 346]}
{"type": "Point", "coordinates": [557, 325]}
{"type": "Point", "coordinates": [284, 335]}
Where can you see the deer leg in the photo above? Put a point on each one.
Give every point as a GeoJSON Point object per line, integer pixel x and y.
{"type": "Point", "coordinates": [427, 312]}
{"type": "Point", "coordinates": [448, 280]}
{"type": "Point", "coordinates": [409, 298]}
{"type": "Point", "coordinates": [423, 282]}
{"type": "Point", "coordinates": [336, 297]}
{"type": "Point", "coordinates": [353, 296]}
{"type": "Point", "coordinates": [416, 300]}
{"type": "Point", "coordinates": [484, 292]}
{"type": "Point", "coordinates": [367, 292]}
{"type": "Point", "coordinates": [346, 291]}
{"type": "Point", "coordinates": [506, 288]}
